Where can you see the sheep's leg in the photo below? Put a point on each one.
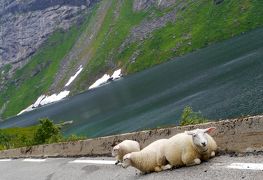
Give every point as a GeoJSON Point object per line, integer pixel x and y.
{"type": "Point", "coordinates": [157, 169]}
{"type": "Point", "coordinates": [194, 162]}
{"type": "Point", "coordinates": [166, 167]}
{"type": "Point", "coordinates": [189, 161]}
{"type": "Point", "coordinates": [213, 154]}
{"type": "Point", "coordinates": [205, 157]}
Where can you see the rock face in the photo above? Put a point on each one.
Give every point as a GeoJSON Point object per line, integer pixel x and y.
{"type": "Point", "coordinates": [139, 5]}
{"type": "Point", "coordinates": [26, 24]}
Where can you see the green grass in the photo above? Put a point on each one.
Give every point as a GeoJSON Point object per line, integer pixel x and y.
{"type": "Point", "coordinates": [28, 136]}
{"type": "Point", "coordinates": [200, 24]}
{"type": "Point", "coordinates": [19, 137]}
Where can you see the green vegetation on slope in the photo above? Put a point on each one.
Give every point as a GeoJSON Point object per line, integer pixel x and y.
{"type": "Point", "coordinates": [36, 77]}
{"type": "Point", "coordinates": [45, 133]}
{"type": "Point", "coordinates": [16, 137]}
{"type": "Point", "coordinates": [197, 25]}
{"type": "Point", "coordinates": [115, 28]}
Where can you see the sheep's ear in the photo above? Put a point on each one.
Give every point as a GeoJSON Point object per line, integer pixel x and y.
{"type": "Point", "coordinates": [128, 156]}
{"type": "Point", "coordinates": [210, 129]}
{"type": "Point", "coordinates": [117, 147]}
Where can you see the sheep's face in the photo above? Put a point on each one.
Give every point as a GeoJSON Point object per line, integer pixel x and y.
{"type": "Point", "coordinates": [200, 138]}
{"type": "Point", "coordinates": [115, 150]}
{"type": "Point", "coordinates": [126, 160]}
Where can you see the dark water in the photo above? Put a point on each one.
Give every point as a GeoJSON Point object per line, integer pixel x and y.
{"type": "Point", "coordinates": [222, 81]}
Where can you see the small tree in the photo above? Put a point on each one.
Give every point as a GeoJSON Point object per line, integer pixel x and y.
{"type": "Point", "coordinates": [47, 132]}
{"type": "Point", "coordinates": [189, 117]}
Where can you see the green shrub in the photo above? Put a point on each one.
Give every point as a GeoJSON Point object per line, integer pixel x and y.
{"type": "Point", "coordinates": [47, 132]}
{"type": "Point", "coordinates": [189, 117]}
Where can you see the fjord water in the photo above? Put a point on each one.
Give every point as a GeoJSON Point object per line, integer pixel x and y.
{"type": "Point", "coordinates": [222, 81]}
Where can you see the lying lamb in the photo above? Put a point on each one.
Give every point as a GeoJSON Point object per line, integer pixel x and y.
{"type": "Point", "coordinates": [149, 159]}
{"type": "Point", "coordinates": [125, 147]}
{"type": "Point", "coordinates": [190, 147]}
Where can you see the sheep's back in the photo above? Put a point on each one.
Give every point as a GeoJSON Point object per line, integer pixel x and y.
{"type": "Point", "coordinates": [151, 156]}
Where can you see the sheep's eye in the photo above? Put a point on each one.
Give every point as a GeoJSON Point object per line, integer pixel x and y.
{"type": "Point", "coordinates": [194, 135]}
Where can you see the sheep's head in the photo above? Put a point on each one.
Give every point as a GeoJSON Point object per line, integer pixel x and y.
{"type": "Point", "coordinates": [115, 150]}
{"type": "Point", "coordinates": [200, 138]}
{"type": "Point", "coordinates": [126, 160]}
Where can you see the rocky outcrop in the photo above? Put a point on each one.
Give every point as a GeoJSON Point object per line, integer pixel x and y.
{"type": "Point", "coordinates": [25, 25]}
{"type": "Point", "coordinates": [144, 29]}
{"type": "Point", "coordinates": [139, 5]}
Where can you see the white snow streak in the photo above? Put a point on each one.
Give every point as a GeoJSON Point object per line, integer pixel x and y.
{"type": "Point", "coordinates": [72, 78]}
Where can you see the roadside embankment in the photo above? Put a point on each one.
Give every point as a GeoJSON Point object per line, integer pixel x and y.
{"type": "Point", "coordinates": [240, 135]}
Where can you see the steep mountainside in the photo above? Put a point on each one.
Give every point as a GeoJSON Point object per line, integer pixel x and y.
{"type": "Point", "coordinates": [113, 34]}
{"type": "Point", "coordinates": [26, 24]}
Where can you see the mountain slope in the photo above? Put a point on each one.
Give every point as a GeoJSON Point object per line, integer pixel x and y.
{"type": "Point", "coordinates": [25, 25]}
{"type": "Point", "coordinates": [131, 35]}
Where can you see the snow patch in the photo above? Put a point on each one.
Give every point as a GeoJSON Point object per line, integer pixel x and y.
{"type": "Point", "coordinates": [43, 100]}
{"type": "Point", "coordinates": [100, 81]}
{"type": "Point", "coordinates": [29, 108]}
{"type": "Point", "coordinates": [116, 75]}
{"type": "Point", "coordinates": [54, 98]}
{"type": "Point", "coordinates": [72, 78]}
{"type": "Point", "coordinates": [106, 78]}
{"type": "Point", "coordinates": [37, 103]}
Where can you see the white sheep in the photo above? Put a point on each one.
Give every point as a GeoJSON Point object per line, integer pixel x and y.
{"type": "Point", "coordinates": [190, 147]}
{"type": "Point", "coordinates": [149, 159]}
{"type": "Point", "coordinates": [125, 147]}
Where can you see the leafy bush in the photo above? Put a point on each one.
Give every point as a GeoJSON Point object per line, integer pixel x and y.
{"type": "Point", "coordinates": [47, 132]}
{"type": "Point", "coordinates": [190, 117]}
